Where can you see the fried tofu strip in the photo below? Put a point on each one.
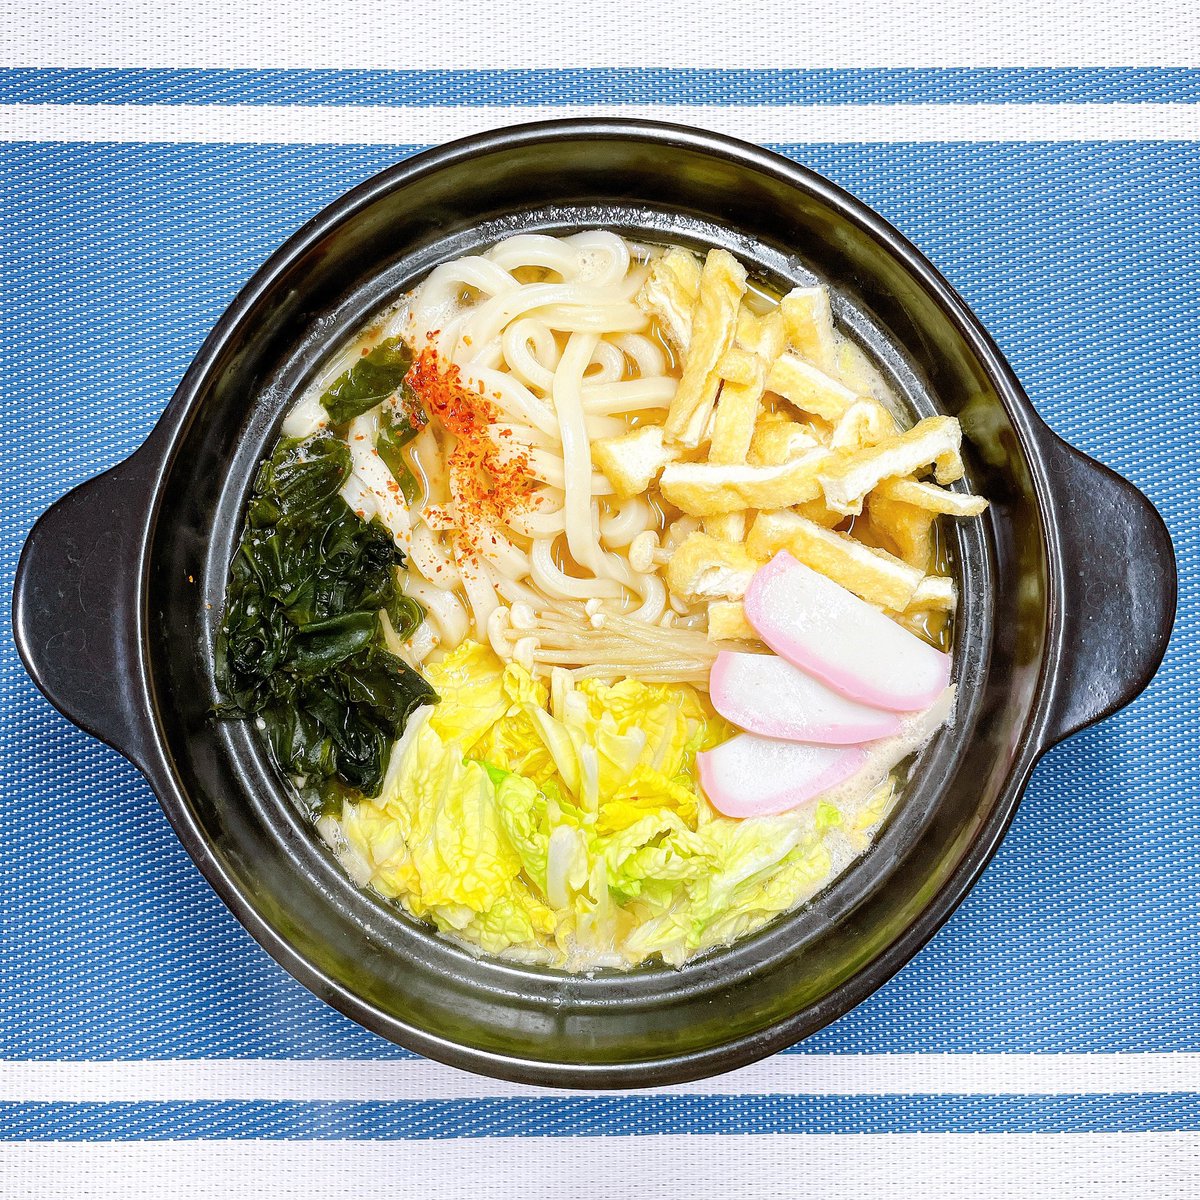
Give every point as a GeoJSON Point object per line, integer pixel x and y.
{"type": "Point", "coordinates": [744, 369]}
{"type": "Point", "coordinates": [727, 622]}
{"type": "Point", "coordinates": [714, 322]}
{"type": "Point", "coordinates": [669, 294]}
{"type": "Point", "coordinates": [632, 461]}
{"type": "Point", "coordinates": [865, 423]}
{"type": "Point", "coordinates": [934, 593]}
{"type": "Point", "coordinates": [809, 388]}
{"type": "Point", "coordinates": [704, 568]}
{"type": "Point", "coordinates": [849, 477]}
{"type": "Point", "coordinates": [704, 489]}
{"type": "Point", "coordinates": [778, 439]}
{"type": "Point", "coordinates": [878, 577]}
{"type": "Point", "coordinates": [907, 528]}
{"type": "Point", "coordinates": [765, 335]}
{"type": "Point", "coordinates": [738, 365]}
{"type": "Point", "coordinates": [808, 323]}
{"type": "Point", "coordinates": [736, 415]}
{"type": "Point", "coordinates": [819, 513]}
{"type": "Point", "coordinates": [931, 498]}
{"type": "Point", "coordinates": [728, 527]}
{"type": "Point", "coordinates": [933, 603]}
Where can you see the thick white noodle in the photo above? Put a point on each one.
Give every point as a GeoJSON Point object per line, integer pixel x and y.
{"type": "Point", "coordinates": [445, 283]}
{"type": "Point", "coordinates": [630, 396]}
{"type": "Point", "coordinates": [359, 497]}
{"type": "Point", "coordinates": [646, 354]}
{"type": "Point", "coordinates": [550, 468]}
{"type": "Point", "coordinates": [537, 250]}
{"type": "Point", "coordinates": [513, 398]}
{"type": "Point", "coordinates": [422, 644]}
{"type": "Point", "coordinates": [397, 318]}
{"type": "Point", "coordinates": [625, 521]}
{"type": "Point", "coordinates": [607, 365]}
{"type": "Point", "coordinates": [426, 456]}
{"type": "Point", "coordinates": [521, 593]}
{"type": "Point", "coordinates": [604, 427]}
{"type": "Point", "coordinates": [651, 590]}
{"type": "Point", "coordinates": [544, 520]}
{"type": "Point", "coordinates": [523, 437]}
{"type": "Point", "coordinates": [477, 583]}
{"type": "Point", "coordinates": [369, 467]}
{"type": "Point", "coordinates": [504, 557]}
{"type": "Point", "coordinates": [306, 416]}
{"type": "Point", "coordinates": [577, 453]}
{"type": "Point", "coordinates": [598, 319]}
{"type": "Point", "coordinates": [531, 352]}
{"type": "Point", "coordinates": [603, 257]}
{"type": "Point", "coordinates": [428, 556]}
{"type": "Point", "coordinates": [564, 306]}
{"type": "Point", "coordinates": [443, 608]}
{"type": "Point", "coordinates": [558, 585]}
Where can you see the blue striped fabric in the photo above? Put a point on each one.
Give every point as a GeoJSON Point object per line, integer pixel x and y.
{"type": "Point", "coordinates": [601, 1116]}
{"type": "Point", "coordinates": [1082, 259]}
{"type": "Point", "coordinates": [613, 85]}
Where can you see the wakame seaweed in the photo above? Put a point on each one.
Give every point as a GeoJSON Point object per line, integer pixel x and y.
{"type": "Point", "coordinates": [371, 380]}
{"type": "Point", "coordinates": [400, 424]}
{"type": "Point", "coordinates": [300, 645]}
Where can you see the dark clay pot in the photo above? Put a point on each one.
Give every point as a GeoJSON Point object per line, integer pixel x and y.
{"type": "Point", "coordinates": [1068, 595]}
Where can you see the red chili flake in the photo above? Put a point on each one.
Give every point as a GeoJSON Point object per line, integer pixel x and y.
{"type": "Point", "coordinates": [486, 484]}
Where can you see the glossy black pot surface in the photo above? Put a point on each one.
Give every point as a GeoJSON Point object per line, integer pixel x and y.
{"type": "Point", "coordinates": [1068, 594]}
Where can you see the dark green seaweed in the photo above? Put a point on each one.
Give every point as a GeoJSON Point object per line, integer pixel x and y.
{"type": "Point", "coordinates": [371, 380]}
{"type": "Point", "coordinates": [300, 645]}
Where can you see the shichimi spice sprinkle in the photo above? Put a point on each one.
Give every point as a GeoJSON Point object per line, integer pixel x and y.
{"type": "Point", "coordinates": [488, 484]}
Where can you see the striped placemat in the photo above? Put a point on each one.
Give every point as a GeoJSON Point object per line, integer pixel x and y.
{"type": "Point", "coordinates": [1047, 1042]}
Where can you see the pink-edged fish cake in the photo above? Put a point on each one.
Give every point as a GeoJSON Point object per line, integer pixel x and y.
{"type": "Point", "coordinates": [752, 776]}
{"type": "Point", "coordinates": [766, 694]}
{"type": "Point", "coordinates": [831, 633]}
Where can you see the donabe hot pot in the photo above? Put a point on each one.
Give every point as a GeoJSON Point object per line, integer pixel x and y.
{"type": "Point", "coordinates": [1067, 599]}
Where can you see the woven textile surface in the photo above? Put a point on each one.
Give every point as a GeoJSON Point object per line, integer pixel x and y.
{"type": "Point", "coordinates": [1080, 255]}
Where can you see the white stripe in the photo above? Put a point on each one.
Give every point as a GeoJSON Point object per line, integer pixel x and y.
{"type": "Point", "coordinates": [417, 126]}
{"type": "Point", "coordinates": [392, 34]}
{"type": "Point", "coordinates": [420, 1079]}
{"type": "Point", "coordinates": [948, 1166]}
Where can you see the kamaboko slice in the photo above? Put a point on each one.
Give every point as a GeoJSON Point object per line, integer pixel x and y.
{"type": "Point", "coordinates": [842, 640]}
{"type": "Point", "coordinates": [752, 776]}
{"type": "Point", "coordinates": [766, 694]}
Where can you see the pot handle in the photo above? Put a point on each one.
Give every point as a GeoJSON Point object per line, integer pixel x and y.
{"type": "Point", "coordinates": [1117, 585]}
{"type": "Point", "coordinates": [75, 600]}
